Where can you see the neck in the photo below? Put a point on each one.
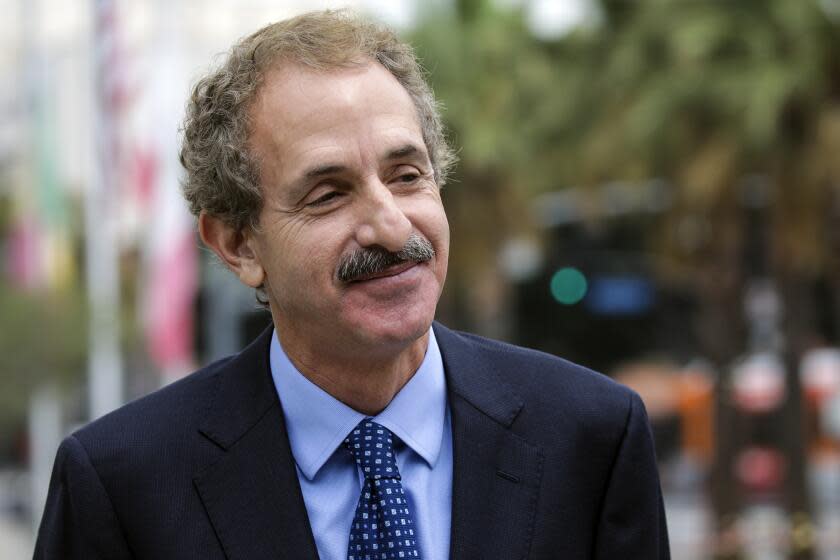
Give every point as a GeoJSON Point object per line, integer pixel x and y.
{"type": "Point", "coordinates": [366, 382]}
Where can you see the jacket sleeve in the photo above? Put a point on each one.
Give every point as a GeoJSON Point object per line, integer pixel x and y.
{"type": "Point", "coordinates": [632, 520]}
{"type": "Point", "coordinates": [79, 520]}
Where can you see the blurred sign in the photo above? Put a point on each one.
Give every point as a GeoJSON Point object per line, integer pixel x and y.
{"type": "Point", "coordinates": [758, 384]}
{"type": "Point", "coordinates": [820, 374]}
{"type": "Point", "coordinates": [760, 469]}
{"type": "Point", "coordinates": [620, 295]}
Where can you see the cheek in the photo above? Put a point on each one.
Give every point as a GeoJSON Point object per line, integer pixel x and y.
{"type": "Point", "coordinates": [439, 229]}
{"type": "Point", "coordinates": [314, 255]}
{"type": "Point", "coordinates": [442, 238]}
{"type": "Point", "coordinates": [433, 224]}
{"type": "Point", "coordinates": [444, 221]}
{"type": "Point", "coordinates": [427, 215]}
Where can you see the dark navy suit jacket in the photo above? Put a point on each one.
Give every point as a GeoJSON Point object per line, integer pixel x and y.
{"type": "Point", "coordinates": [550, 461]}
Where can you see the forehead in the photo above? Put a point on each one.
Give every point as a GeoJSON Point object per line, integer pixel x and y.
{"type": "Point", "coordinates": [301, 115]}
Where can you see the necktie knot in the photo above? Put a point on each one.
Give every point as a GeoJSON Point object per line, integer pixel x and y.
{"type": "Point", "coordinates": [372, 446]}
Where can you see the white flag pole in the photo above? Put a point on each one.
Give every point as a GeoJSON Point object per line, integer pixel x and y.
{"type": "Point", "coordinates": [105, 376]}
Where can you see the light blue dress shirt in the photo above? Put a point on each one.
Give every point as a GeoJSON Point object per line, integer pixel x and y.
{"type": "Point", "coordinates": [317, 424]}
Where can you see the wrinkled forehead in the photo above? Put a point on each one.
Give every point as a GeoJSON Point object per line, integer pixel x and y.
{"type": "Point", "coordinates": [301, 112]}
{"type": "Point", "coordinates": [293, 91]}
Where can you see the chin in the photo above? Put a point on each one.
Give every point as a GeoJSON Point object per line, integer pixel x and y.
{"type": "Point", "coordinates": [391, 322]}
{"type": "Point", "coordinates": [393, 329]}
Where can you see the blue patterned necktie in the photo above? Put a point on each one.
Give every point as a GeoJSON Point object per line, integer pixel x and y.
{"type": "Point", "coordinates": [383, 527]}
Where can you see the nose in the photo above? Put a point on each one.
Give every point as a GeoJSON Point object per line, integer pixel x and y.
{"type": "Point", "coordinates": [382, 222]}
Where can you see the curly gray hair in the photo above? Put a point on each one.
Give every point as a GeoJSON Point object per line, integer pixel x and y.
{"type": "Point", "coordinates": [222, 177]}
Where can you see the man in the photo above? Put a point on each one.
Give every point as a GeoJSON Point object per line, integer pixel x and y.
{"type": "Point", "coordinates": [355, 428]}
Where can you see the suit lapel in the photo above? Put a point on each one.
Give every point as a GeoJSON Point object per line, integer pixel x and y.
{"type": "Point", "coordinates": [252, 494]}
{"type": "Point", "coordinates": [496, 473]}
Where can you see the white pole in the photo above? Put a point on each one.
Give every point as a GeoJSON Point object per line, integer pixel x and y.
{"type": "Point", "coordinates": [105, 378]}
{"type": "Point", "coordinates": [45, 434]}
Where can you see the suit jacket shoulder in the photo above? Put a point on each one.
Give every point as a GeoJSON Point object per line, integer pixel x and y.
{"type": "Point", "coordinates": [219, 402]}
{"type": "Point", "coordinates": [143, 425]}
{"type": "Point", "coordinates": [200, 468]}
{"type": "Point", "coordinates": [559, 394]}
{"type": "Point", "coordinates": [568, 452]}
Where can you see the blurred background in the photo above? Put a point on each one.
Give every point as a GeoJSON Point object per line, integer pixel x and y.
{"type": "Point", "coordinates": [649, 188]}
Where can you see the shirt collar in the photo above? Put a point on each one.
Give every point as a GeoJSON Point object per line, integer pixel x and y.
{"type": "Point", "coordinates": [317, 422]}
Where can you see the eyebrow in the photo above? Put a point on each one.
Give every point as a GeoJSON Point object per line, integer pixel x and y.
{"type": "Point", "coordinates": [403, 151]}
{"type": "Point", "coordinates": [330, 169]}
{"type": "Point", "coordinates": [322, 170]}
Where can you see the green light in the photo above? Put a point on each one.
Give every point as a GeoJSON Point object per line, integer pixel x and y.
{"type": "Point", "coordinates": [568, 286]}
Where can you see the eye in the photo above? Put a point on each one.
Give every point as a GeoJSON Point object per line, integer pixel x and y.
{"type": "Point", "coordinates": [325, 198]}
{"type": "Point", "coordinates": [408, 177]}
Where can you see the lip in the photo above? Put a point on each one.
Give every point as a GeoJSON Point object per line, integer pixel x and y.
{"type": "Point", "coordinates": [394, 270]}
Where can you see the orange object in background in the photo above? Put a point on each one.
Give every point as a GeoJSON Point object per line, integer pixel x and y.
{"type": "Point", "coordinates": [656, 385]}
{"type": "Point", "coordinates": [687, 393]}
{"type": "Point", "coordinates": [696, 390]}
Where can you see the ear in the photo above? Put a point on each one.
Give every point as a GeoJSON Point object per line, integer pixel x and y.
{"type": "Point", "coordinates": [233, 247]}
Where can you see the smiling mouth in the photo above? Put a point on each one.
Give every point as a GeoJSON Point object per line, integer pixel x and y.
{"type": "Point", "coordinates": [392, 270]}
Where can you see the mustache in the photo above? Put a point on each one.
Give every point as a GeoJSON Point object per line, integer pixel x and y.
{"type": "Point", "coordinates": [373, 260]}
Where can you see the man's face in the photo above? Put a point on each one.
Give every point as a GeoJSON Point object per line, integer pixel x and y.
{"type": "Point", "coordinates": [344, 168]}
